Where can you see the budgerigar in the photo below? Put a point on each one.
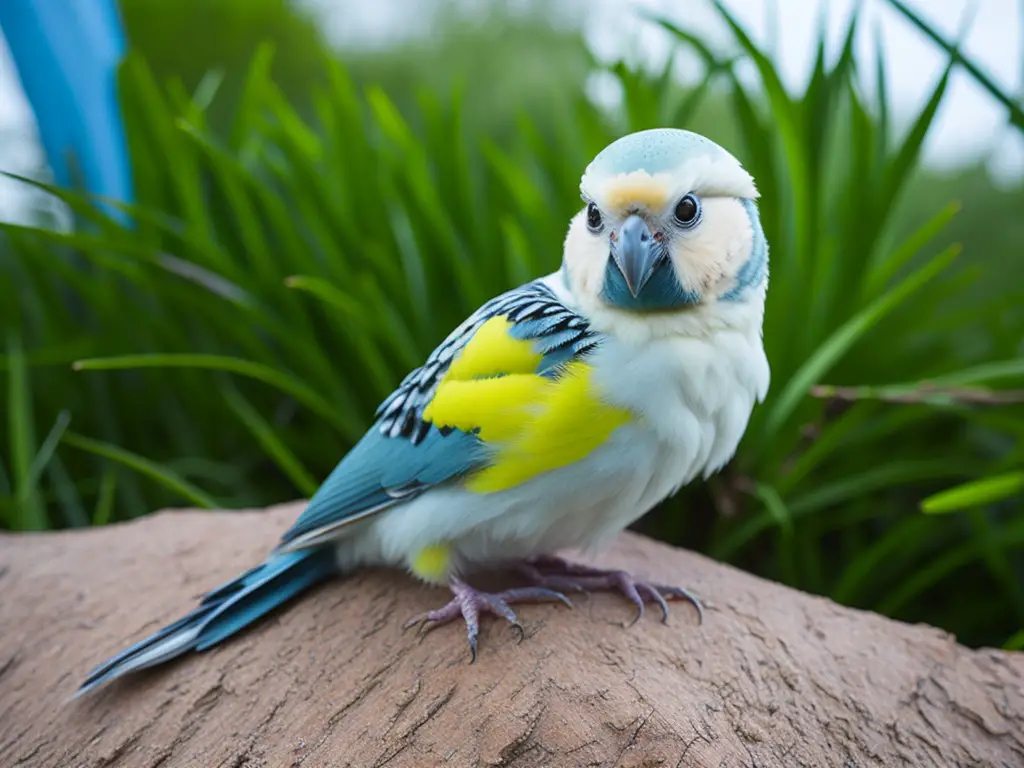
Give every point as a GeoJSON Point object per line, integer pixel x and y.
{"type": "Point", "coordinates": [555, 416]}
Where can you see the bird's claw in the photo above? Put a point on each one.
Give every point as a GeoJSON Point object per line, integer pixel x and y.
{"type": "Point", "coordinates": [468, 603]}
{"type": "Point", "coordinates": [550, 576]}
{"type": "Point", "coordinates": [553, 572]}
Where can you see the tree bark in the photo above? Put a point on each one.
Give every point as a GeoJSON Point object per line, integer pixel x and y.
{"type": "Point", "coordinates": [772, 678]}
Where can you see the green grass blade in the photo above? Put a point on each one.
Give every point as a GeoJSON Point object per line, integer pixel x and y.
{"type": "Point", "coordinates": [696, 42]}
{"type": "Point", "coordinates": [779, 512]}
{"type": "Point", "coordinates": [890, 545]}
{"type": "Point", "coordinates": [889, 474]}
{"type": "Point", "coordinates": [69, 500]}
{"type": "Point", "coordinates": [45, 453]}
{"type": "Point", "coordinates": [356, 326]}
{"type": "Point", "coordinates": [843, 490]}
{"type": "Point", "coordinates": [848, 334]}
{"type": "Point", "coordinates": [685, 111]}
{"type": "Point", "coordinates": [899, 168]}
{"type": "Point", "coordinates": [1016, 113]}
{"type": "Point", "coordinates": [881, 94]}
{"type": "Point", "coordinates": [282, 381]}
{"type": "Point", "coordinates": [976, 493]}
{"type": "Point", "coordinates": [165, 477]}
{"type": "Point", "coordinates": [103, 512]}
{"type": "Point", "coordinates": [207, 89]}
{"type": "Point", "coordinates": [775, 507]}
{"type": "Point", "coordinates": [788, 127]}
{"type": "Point", "coordinates": [1015, 642]}
{"type": "Point", "coordinates": [349, 307]}
{"type": "Point", "coordinates": [30, 514]}
{"type": "Point", "coordinates": [938, 569]}
{"type": "Point", "coordinates": [264, 434]}
{"type": "Point", "coordinates": [880, 276]}
{"type": "Point", "coordinates": [988, 532]}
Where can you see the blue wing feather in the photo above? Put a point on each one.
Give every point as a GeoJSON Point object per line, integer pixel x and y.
{"type": "Point", "coordinates": [381, 470]}
{"type": "Point", "coordinates": [402, 455]}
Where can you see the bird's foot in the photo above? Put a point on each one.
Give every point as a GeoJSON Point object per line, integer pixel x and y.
{"type": "Point", "coordinates": [555, 573]}
{"type": "Point", "coordinates": [469, 603]}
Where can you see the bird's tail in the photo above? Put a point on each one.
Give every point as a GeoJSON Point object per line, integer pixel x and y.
{"type": "Point", "coordinates": [222, 612]}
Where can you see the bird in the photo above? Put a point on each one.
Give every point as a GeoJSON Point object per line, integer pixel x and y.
{"type": "Point", "coordinates": [555, 416]}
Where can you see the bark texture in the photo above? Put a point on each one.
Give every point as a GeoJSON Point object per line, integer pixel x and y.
{"type": "Point", "coordinates": [773, 677]}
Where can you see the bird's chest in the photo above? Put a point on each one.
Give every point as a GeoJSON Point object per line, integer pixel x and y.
{"type": "Point", "coordinates": [691, 398]}
{"type": "Point", "coordinates": [688, 405]}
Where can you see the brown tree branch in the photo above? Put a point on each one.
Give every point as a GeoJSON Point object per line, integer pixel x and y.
{"type": "Point", "coordinates": [922, 394]}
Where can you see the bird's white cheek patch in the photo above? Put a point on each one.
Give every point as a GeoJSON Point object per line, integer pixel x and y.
{"type": "Point", "coordinates": [586, 255]}
{"type": "Point", "coordinates": [708, 258]}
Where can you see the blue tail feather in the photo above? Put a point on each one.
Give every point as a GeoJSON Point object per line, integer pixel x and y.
{"type": "Point", "coordinates": [222, 612]}
{"type": "Point", "coordinates": [266, 593]}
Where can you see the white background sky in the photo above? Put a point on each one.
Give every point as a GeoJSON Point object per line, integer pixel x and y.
{"type": "Point", "coordinates": [970, 125]}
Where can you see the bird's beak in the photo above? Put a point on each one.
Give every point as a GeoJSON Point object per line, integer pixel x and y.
{"type": "Point", "coordinates": [636, 253]}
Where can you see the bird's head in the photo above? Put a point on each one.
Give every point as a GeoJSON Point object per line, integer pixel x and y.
{"type": "Point", "coordinates": [670, 224]}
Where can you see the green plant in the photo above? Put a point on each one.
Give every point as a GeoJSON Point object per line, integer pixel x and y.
{"type": "Point", "coordinates": [222, 38]}
{"type": "Point", "coordinates": [281, 280]}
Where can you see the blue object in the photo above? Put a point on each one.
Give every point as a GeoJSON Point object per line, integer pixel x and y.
{"type": "Point", "coordinates": [66, 53]}
{"type": "Point", "coordinates": [380, 470]}
{"type": "Point", "coordinates": [223, 612]}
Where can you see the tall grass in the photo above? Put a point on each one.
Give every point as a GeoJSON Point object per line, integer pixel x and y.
{"type": "Point", "coordinates": [278, 281]}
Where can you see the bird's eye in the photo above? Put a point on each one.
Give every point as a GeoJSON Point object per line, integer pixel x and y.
{"type": "Point", "coordinates": [594, 220]}
{"type": "Point", "coordinates": [687, 211]}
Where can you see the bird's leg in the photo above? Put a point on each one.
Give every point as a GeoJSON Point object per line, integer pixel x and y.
{"type": "Point", "coordinates": [469, 602]}
{"type": "Point", "coordinates": [555, 573]}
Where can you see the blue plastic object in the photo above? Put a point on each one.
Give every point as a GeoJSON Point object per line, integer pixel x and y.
{"type": "Point", "coordinates": [66, 53]}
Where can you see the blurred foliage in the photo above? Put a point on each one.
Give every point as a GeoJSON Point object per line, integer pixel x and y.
{"type": "Point", "coordinates": [290, 264]}
{"type": "Point", "coordinates": [187, 42]}
{"type": "Point", "coordinates": [502, 63]}
{"type": "Point", "coordinates": [539, 44]}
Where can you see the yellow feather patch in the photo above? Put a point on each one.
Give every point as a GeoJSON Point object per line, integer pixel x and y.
{"type": "Point", "coordinates": [564, 424]}
{"type": "Point", "coordinates": [431, 563]}
{"type": "Point", "coordinates": [494, 406]}
{"type": "Point", "coordinates": [491, 375]}
{"type": "Point", "coordinates": [633, 190]}
{"type": "Point", "coordinates": [492, 352]}
{"type": "Point", "coordinates": [535, 423]}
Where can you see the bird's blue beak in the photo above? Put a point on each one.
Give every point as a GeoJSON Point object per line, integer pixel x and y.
{"type": "Point", "coordinates": [636, 253]}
